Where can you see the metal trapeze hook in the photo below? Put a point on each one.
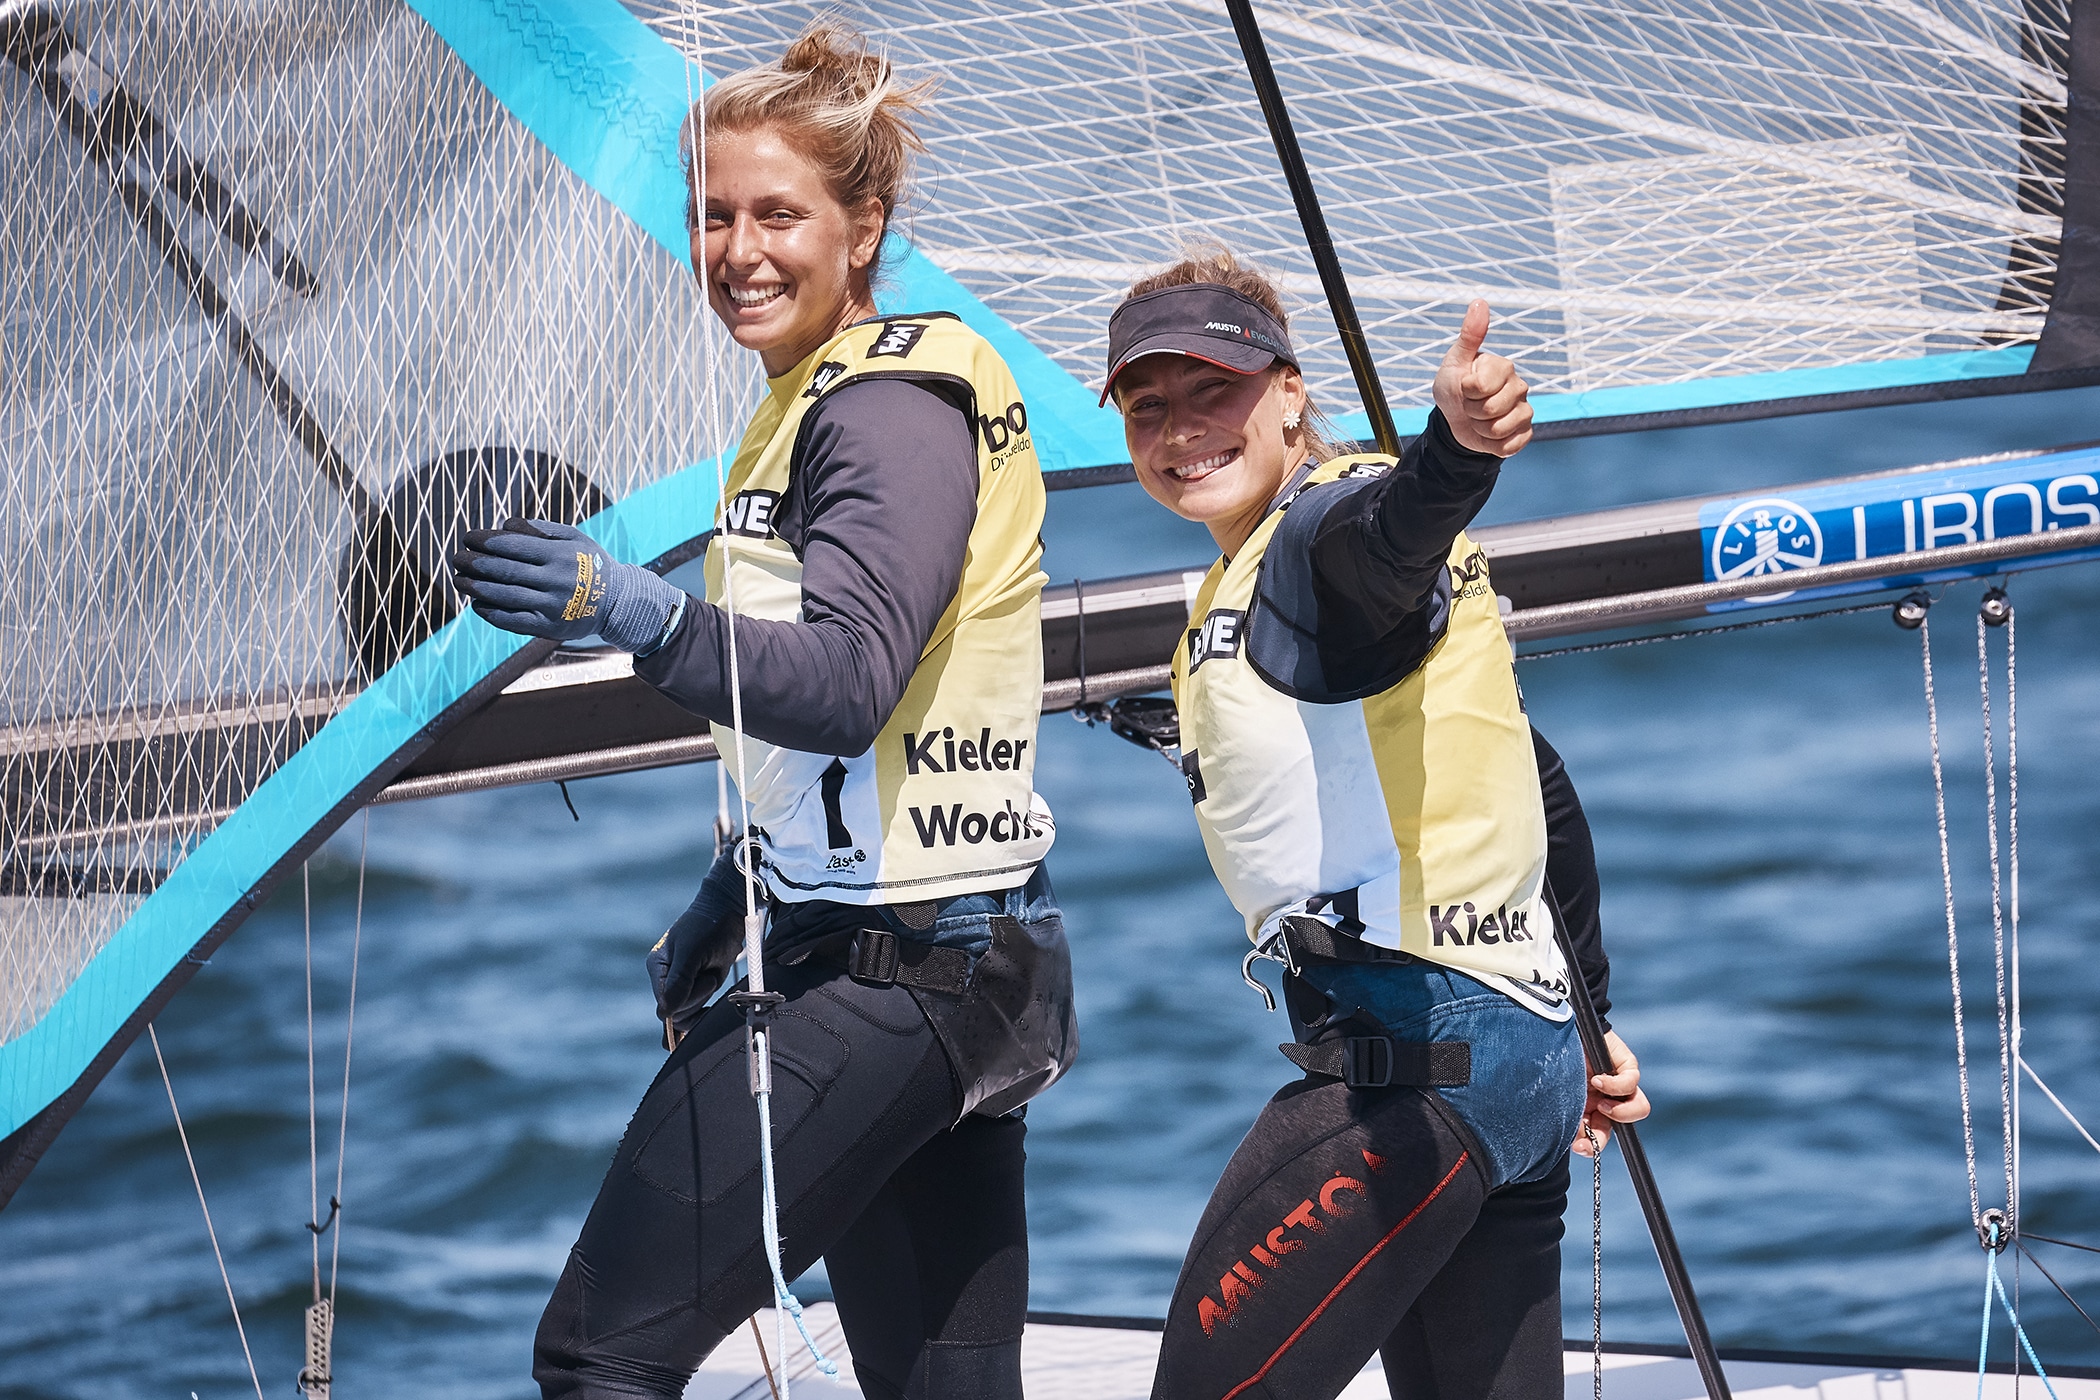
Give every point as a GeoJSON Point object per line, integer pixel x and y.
{"type": "Point", "coordinates": [1266, 950]}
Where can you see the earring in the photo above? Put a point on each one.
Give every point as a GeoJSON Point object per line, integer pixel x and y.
{"type": "Point", "coordinates": [1290, 418]}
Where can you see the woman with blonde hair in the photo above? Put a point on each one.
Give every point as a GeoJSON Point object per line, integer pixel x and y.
{"type": "Point", "coordinates": [1397, 836]}
{"type": "Point", "coordinates": [882, 561]}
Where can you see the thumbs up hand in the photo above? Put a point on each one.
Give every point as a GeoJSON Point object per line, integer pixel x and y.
{"type": "Point", "coordinates": [1485, 401]}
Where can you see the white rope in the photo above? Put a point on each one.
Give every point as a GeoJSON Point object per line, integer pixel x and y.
{"type": "Point", "coordinates": [209, 1228]}
{"type": "Point", "coordinates": [1961, 1043]}
{"type": "Point", "coordinates": [313, 1147]}
{"type": "Point", "coordinates": [1990, 800]}
{"type": "Point", "coordinates": [2060, 1107]}
{"type": "Point", "coordinates": [342, 1132]}
{"type": "Point", "coordinates": [758, 1047]}
{"type": "Point", "coordinates": [2012, 811]}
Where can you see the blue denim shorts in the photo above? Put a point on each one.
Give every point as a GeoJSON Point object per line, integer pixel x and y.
{"type": "Point", "coordinates": [961, 921]}
{"type": "Point", "coordinates": [1524, 1104]}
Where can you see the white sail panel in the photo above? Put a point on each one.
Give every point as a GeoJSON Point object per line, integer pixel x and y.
{"type": "Point", "coordinates": [1076, 145]}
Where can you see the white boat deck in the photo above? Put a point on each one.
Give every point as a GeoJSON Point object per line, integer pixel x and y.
{"type": "Point", "coordinates": [1114, 1363]}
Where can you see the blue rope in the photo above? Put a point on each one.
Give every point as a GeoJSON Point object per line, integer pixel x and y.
{"type": "Point", "coordinates": [1992, 1283]}
{"type": "Point", "coordinates": [770, 1220]}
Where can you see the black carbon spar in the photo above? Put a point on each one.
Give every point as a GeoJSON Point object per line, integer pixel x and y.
{"type": "Point", "coordinates": [1321, 245]}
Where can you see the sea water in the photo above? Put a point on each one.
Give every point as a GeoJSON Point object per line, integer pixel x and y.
{"type": "Point", "coordinates": [1763, 810]}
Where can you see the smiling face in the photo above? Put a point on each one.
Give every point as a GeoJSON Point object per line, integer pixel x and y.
{"type": "Point", "coordinates": [1209, 444]}
{"type": "Point", "coordinates": [786, 264]}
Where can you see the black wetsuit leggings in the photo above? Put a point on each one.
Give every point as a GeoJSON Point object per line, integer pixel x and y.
{"type": "Point", "coordinates": [921, 1224]}
{"type": "Point", "coordinates": [1352, 1221]}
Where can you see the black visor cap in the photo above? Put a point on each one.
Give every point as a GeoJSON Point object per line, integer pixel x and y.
{"type": "Point", "coordinates": [1202, 319]}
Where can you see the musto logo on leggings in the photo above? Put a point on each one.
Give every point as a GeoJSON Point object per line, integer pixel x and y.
{"type": "Point", "coordinates": [1338, 1198]}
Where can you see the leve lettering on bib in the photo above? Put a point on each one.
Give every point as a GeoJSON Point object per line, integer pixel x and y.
{"type": "Point", "coordinates": [1412, 818]}
{"type": "Point", "coordinates": [944, 801]}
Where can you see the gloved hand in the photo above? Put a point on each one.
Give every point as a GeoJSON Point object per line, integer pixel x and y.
{"type": "Point", "coordinates": [549, 580]}
{"type": "Point", "coordinates": [688, 964]}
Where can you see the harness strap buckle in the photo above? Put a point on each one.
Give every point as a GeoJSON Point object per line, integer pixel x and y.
{"type": "Point", "coordinates": [1367, 1062]}
{"type": "Point", "coordinates": [1380, 1062]}
{"type": "Point", "coordinates": [874, 957]}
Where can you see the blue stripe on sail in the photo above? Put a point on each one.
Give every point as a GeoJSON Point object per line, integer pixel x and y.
{"type": "Point", "coordinates": [606, 95]}
{"type": "Point", "coordinates": [42, 1063]}
{"type": "Point", "coordinates": [1727, 390]}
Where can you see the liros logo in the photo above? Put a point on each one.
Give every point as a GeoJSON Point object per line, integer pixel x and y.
{"type": "Point", "coordinates": [1770, 535]}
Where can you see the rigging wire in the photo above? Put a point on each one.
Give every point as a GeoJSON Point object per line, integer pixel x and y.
{"type": "Point", "coordinates": [1688, 633]}
{"type": "Point", "coordinates": [755, 1001]}
{"type": "Point", "coordinates": [315, 1378]}
{"type": "Point", "coordinates": [209, 1228]}
{"type": "Point", "coordinates": [1990, 801]}
{"type": "Point", "coordinates": [313, 1149]}
{"type": "Point", "coordinates": [342, 1132]}
{"type": "Point", "coordinates": [1995, 1228]}
{"type": "Point", "coordinates": [2061, 1108]}
{"type": "Point", "coordinates": [1997, 609]}
{"type": "Point", "coordinates": [1961, 1043]}
{"type": "Point", "coordinates": [2067, 1244]}
{"type": "Point", "coordinates": [2021, 1241]}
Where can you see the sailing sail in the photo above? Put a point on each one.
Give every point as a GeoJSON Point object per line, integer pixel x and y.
{"type": "Point", "coordinates": [1673, 205]}
{"type": "Point", "coordinates": [297, 291]}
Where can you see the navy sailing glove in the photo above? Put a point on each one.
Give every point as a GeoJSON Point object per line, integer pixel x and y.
{"type": "Point", "coordinates": [690, 962]}
{"type": "Point", "coordinates": [549, 580]}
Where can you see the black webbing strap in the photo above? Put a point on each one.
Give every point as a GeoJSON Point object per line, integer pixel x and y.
{"type": "Point", "coordinates": [1380, 1062]}
{"type": "Point", "coordinates": [881, 959]}
{"type": "Point", "coordinates": [1311, 938]}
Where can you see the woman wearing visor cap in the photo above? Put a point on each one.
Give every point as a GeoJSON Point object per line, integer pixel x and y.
{"type": "Point", "coordinates": [1383, 816]}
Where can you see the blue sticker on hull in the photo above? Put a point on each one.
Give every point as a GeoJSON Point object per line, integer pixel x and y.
{"type": "Point", "coordinates": [1917, 513]}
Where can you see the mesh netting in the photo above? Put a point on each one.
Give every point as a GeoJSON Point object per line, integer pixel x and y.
{"type": "Point", "coordinates": [1647, 192]}
{"type": "Point", "coordinates": [290, 300]}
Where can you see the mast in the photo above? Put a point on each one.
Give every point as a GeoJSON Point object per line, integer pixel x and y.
{"type": "Point", "coordinates": [1321, 245]}
{"type": "Point", "coordinates": [1317, 239]}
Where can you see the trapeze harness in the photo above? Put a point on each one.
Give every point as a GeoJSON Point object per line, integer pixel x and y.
{"type": "Point", "coordinates": [943, 802]}
{"type": "Point", "coordinates": [1402, 824]}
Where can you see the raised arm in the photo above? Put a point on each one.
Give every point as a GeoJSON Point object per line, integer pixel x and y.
{"type": "Point", "coordinates": [1352, 575]}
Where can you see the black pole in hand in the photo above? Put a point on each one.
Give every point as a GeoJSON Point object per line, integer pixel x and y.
{"type": "Point", "coordinates": [1667, 1253]}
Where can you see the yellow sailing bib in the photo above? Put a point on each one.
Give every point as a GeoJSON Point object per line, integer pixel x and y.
{"type": "Point", "coordinates": [1411, 818]}
{"type": "Point", "coordinates": [943, 803]}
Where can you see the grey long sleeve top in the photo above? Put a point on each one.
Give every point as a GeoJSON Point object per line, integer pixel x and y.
{"type": "Point", "coordinates": [879, 510]}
